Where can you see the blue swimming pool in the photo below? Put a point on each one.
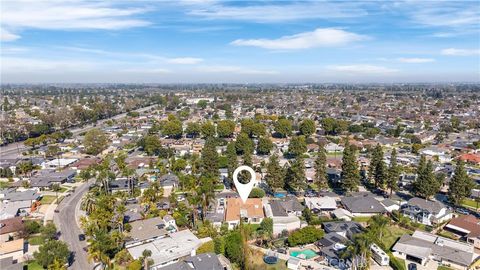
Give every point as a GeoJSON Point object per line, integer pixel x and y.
{"type": "Point", "coordinates": [307, 253]}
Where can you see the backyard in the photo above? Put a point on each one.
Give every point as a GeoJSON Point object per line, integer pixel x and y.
{"type": "Point", "coordinates": [392, 233]}
{"type": "Point", "coordinates": [48, 199]}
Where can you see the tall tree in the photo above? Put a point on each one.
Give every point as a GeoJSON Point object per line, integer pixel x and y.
{"type": "Point", "coordinates": [232, 161]}
{"type": "Point", "coordinates": [350, 172]}
{"type": "Point", "coordinates": [208, 130]}
{"type": "Point", "coordinates": [377, 167]}
{"type": "Point", "coordinates": [225, 128]}
{"type": "Point", "coordinates": [283, 127]}
{"type": "Point", "coordinates": [426, 184]}
{"type": "Point", "coordinates": [275, 176]}
{"type": "Point", "coordinates": [244, 144]}
{"type": "Point", "coordinates": [296, 174]}
{"type": "Point", "coordinates": [307, 127]}
{"type": "Point", "coordinates": [210, 159]}
{"type": "Point", "coordinates": [461, 185]}
{"type": "Point", "coordinates": [264, 146]}
{"type": "Point", "coordinates": [95, 141]}
{"type": "Point", "coordinates": [321, 169]}
{"type": "Point", "coordinates": [393, 173]}
{"type": "Point", "coordinates": [297, 146]}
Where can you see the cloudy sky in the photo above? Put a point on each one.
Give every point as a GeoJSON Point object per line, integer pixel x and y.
{"type": "Point", "coordinates": [258, 41]}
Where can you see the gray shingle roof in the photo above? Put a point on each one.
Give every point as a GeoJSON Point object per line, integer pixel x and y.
{"type": "Point", "coordinates": [206, 261]}
{"type": "Point", "coordinates": [430, 206]}
{"type": "Point", "coordinates": [365, 205]}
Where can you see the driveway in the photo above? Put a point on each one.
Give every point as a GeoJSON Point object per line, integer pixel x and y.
{"type": "Point", "coordinates": [67, 222]}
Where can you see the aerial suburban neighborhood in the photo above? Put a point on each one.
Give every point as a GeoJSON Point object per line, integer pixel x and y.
{"type": "Point", "coordinates": [141, 176]}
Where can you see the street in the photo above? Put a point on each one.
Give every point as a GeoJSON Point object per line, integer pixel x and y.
{"type": "Point", "coordinates": [66, 222]}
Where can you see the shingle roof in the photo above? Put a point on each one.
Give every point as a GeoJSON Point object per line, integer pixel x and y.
{"type": "Point", "coordinates": [365, 204]}
{"type": "Point", "coordinates": [431, 206]}
{"type": "Point", "coordinates": [206, 261]}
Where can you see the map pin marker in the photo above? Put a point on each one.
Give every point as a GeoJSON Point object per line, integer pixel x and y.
{"type": "Point", "coordinates": [244, 189]}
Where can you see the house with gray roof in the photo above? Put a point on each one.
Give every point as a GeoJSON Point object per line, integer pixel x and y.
{"type": "Point", "coordinates": [331, 247]}
{"type": "Point", "coordinates": [362, 205]}
{"type": "Point", "coordinates": [422, 247]}
{"type": "Point", "coordinates": [426, 212]}
{"type": "Point", "coordinates": [205, 261]}
{"type": "Point", "coordinates": [344, 228]}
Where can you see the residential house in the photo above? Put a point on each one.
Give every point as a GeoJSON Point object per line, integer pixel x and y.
{"type": "Point", "coordinates": [146, 230]}
{"type": "Point", "coordinates": [422, 247]}
{"type": "Point", "coordinates": [426, 212]}
{"type": "Point", "coordinates": [282, 220]}
{"type": "Point", "coordinates": [170, 249]}
{"type": "Point", "coordinates": [169, 182]}
{"type": "Point", "coordinates": [321, 204]}
{"type": "Point", "coordinates": [251, 211]}
{"type": "Point", "coordinates": [363, 205]}
{"type": "Point", "coordinates": [14, 249]}
{"type": "Point", "coordinates": [468, 227]}
{"type": "Point", "coordinates": [205, 261]}
{"type": "Point", "coordinates": [10, 229]}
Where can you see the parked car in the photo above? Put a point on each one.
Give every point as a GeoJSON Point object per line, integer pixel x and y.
{"type": "Point", "coordinates": [81, 237]}
{"type": "Point", "coordinates": [412, 266]}
{"type": "Point", "coordinates": [462, 211]}
{"type": "Point", "coordinates": [56, 210]}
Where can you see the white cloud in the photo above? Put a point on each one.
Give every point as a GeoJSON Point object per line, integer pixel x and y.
{"type": "Point", "coordinates": [147, 70]}
{"type": "Point", "coordinates": [234, 69]}
{"type": "Point", "coordinates": [362, 69]}
{"type": "Point", "coordinates": [185, 60]}
{"type": "Point", "coordinates": [415, 60]}
{"type": "Point", "coordinates": [320, 37]}
{"type": "Point", "coordinates": [23, 64]}
{"type": "Point", "coordinates": [460, 52]}
{"type": "Point", "coordinates": [68, 15]}
{"type": "Point", "coordinates": [7, 36]}
{"type": "Point", "coordinates": [281, 11]}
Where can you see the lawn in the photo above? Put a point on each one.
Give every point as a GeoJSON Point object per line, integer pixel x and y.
{"type": "Point", "coordinates": [392, 233]}
{"type": "Point", "coordinates": [470, 203]}
{"type": "Point", "coordinates": [36, 240]}
{"type": "Point", "coordinates": [34, 266]}
{"type": "Point", "coordinates": [257, 262]}
{"type": "Point", "coordinates": [361, 219]}
{"type": "Point", "coordinates": [441, 267]}
{"type": "Point", "coordinates": [47, 199]}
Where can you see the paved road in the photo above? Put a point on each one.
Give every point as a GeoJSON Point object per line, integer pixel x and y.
{"type": "Point", "coordinates": [66, 222]}
{"type": "Point", "coordinates": [13, 150]}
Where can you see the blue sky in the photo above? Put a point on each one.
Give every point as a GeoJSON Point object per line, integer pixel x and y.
{"type": "Point", "coordinates": [257, 41]}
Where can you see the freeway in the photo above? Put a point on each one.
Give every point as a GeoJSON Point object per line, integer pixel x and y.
{"type": "Point", "coordinates": [13, 150]}
{"type": "Point", "coordinates": [67, 222]}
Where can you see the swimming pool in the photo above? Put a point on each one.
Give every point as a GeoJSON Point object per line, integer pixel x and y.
{"type": "Point", "coordinates": [307, 253]}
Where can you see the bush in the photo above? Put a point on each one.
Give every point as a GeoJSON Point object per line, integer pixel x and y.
{"type": "Point", "coordinates": [396, 263]}
{"type": "Point", "coordinates": [305, 235]}
{"type": "Point", "coordinates": [32, 227]}
{"type": "Point", "coordinates": [257, 193]}
{"type": "Point", "coordinates": [206, 248]}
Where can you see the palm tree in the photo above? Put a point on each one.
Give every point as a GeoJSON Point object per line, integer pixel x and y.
{"type": "Point", "coordinates": [89, 202]}
{"type": "Point", "coordinates": [362, 243]}
{"type": "Point", "coordinates": [145, 255]}
{"type": "Point", "coordinates": [377, 225]}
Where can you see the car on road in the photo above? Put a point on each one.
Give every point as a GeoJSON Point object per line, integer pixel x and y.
{"type": "Point", "coordinates": [81, 237]}
{"type": "Point", "coordinates": [56, 210]}
{"type": "Point", "coordinates": [462, 211]}
{"type": "Point", "coordinates": [412, 266]}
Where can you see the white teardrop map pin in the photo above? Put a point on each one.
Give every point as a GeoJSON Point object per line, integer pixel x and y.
{"type": "Point", "coordinates": [244, 189]}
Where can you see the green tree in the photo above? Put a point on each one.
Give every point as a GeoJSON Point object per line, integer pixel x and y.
{"type": "Point", "coordinates": [297, 146]}
{"type": "Point", "coordinates": [208, 130]}
{"type": "Point", "coordinates": [244, 144]}
{"type": "Point", "coordinates": [283, 127]}
{"type": "Point", "coordinates": [202, 104]}
{"type": "Point", "coordinates": [461, 185]}
{"type": "Point", "coordinates": [305, 235]}
{"type": "Point", "coordinates": [49, 231]}
{"type": "Point", "coordinates": [257, 193]}
{"type": "Point", "coordinates": [350, 173]}
{"type": "Point", "coordinates": [378, 167]}
{"type": "Point", "coordinates": [321, 179]}
{"type": "Point", "coordinates": [50, 251]}
{"type": "Point", "coordinates": [252, 128]}
{"type": "Point", "coordinates": [173, 129]}
{"type": "Point", "coordinates": [393, 173]}
{"type": "Point", "coordinates": [267, 226]}
{"type": "Point", "coordinates": [426, 185]}
{"type": "Point", "coordinates": [275, 176]}
{"type": "Point", "coordinates": [264, 146]}
{"type": "Point", "coordinates": [193, 129]}
{"type": "Point", "coordinates": [225, 128]}
{"type": "Point", "coordinates": [209, 159]}
{"type": "Point", "coordinates": [232, 161]}
{"type": "Point", "coordinates": [295, 179]}
{"type": "Point", "coordinates": [307, 127]}
{"type": "Point", "coordinates": [95, 141]}
{"type": "Point", "coordinates": [219, 245]}
{"type": "Point", "coordinates": [234, 247]}
{"type": "Point", "coordinates": [150, 144]}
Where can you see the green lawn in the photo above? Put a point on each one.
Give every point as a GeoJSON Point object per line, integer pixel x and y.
{"type": "Point", "coordinates": [392, 233]}
{"type": "Point", "coordinates": [47, 199]}
{"type": "Point", "coordinates": [447, 234]}
{"type": "Point", "coordinates": [36, 240]}
{"type": "Point", "coordinates": [34, 266]}
{"type": "Point", "coordinates": [444, 268]}
{"type": "Point", "coordinates": [258, 263]}
{"type": "Point", "coordinates": [361, 219]}
{"type": "Point", "coordinates": [62, 189]}
{"type": "Point", "coordinates": [470, 203]}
